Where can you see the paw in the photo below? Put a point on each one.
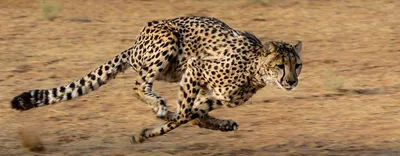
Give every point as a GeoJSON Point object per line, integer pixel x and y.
{"type": "Point", "coordinates": [136, 138]}
{"type": "Point", "coordinates": [160, 112]}
{"type": "Point", "coordinates": [169, 117]}
{"type": "Point", "coordinates": [139, 138]}
{"type": "Point", "coordinates": [228, 125]}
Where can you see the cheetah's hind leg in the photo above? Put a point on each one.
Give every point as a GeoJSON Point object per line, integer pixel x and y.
{"type": "Point", "coordinates": [164, 48]}
{"type": "Point", "coordinates": [150, 98]}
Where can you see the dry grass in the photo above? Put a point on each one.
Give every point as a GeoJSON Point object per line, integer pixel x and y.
{"type": "Point", "coordinates": [30, 139]}
{"type": "Point", "coordinates": [49, 9]}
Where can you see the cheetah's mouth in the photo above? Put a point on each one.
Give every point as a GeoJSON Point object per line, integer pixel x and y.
{"type": "Point", "coordinates": [288, 88]}
{"type": "Point", "coordinates": [284, 87]}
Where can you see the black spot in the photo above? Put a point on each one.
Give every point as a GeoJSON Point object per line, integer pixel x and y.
{"type": "Point", "coordinates": [62, 89]}
{"type": "Point", "coordinates": [91, 86]}
{"type": "Point", "coordinates": [69, 96]}
{"type": "Point", "coordinates": [162, 131]}
{"type": "Point", "coordinates": [80, 91]}
{"type": "Point", "coordinates": [109, 76]}
{"type": "Point", "coordinates": [165, 52]}
{"type": "Point", "coordinates": [184, 95]}
{"type": "Point", "coordinates": [106, 67]}
{"type": "Point", "coordinates": [210, 104]}
{"type": "Point", "coordinates": [100, 72]}
{"type": "Point", "coordinates": [169, 125]}
{"type": "Point", "coordinates": [93, 77]}
{"type": "Point", "coordinates": [189, 100]}
{"type": "Point", "coordinates": [82, 82]}
{"type": "Point", "coordinates": [187, 111]}
{"type": "Point", "coordinates": [54, 92]}
{"type": "Point", "coordinates": [72, 85]}
{"type": "Point", "coordinates": [194, 116]}
{"type": "Point", "coordinates": [162, 103]}
{"type": "Point", "coordinates": [100, 82]}
{"type": "Point", "coordinates": [215, 49]}
{"type": "Point", "coordinates": [119, 68]}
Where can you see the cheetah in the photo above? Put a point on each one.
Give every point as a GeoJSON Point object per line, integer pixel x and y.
{"type": "Point", "coordinates": [215, 65]}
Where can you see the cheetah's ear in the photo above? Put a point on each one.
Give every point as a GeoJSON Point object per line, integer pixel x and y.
{"type": "Point", "coordinates": [271, 47]}
{"type": "Point", "coordinates": [297, 47]}
{"type": "Point", "coordinates": [268, 48]}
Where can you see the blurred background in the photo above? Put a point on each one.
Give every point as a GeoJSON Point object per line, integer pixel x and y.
{"type": "Point", "coordinates": [346, 103]}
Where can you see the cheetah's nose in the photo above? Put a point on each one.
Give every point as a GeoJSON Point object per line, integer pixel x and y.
{"type": "Point", "coordinates": [290, 82]}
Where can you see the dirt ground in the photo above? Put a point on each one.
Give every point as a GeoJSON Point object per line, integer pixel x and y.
{"type": "Point", "coordinates": [347, 101]}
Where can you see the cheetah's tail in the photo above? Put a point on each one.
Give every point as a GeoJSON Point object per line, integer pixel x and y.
{"type": "Point", "coordinates": [82, 86]}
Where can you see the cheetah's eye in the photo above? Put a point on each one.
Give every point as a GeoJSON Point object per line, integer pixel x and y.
{"type": "Point", "coordinates": [281, 66]}
{"type": "Point", "coordinates": [298, 66]}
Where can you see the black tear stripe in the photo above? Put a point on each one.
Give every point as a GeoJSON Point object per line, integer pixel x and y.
{"type": "Point", "coordinates": [283, 75]}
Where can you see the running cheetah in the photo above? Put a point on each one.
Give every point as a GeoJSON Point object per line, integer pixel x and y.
{"type": "Point", "coordinates": [215, 65]}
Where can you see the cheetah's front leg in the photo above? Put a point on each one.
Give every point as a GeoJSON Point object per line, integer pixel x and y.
{"type": "Point", "coordinates": [204, 106]}
{"type": "Point", "coordinates": [209, 122]}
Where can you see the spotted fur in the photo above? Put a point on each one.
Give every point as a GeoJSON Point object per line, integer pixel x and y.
{"type": "Point", "coordinates": [215, 65]}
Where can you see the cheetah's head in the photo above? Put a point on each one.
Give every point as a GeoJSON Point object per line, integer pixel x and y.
{"type": "Point", "coordinates": [282, 64]}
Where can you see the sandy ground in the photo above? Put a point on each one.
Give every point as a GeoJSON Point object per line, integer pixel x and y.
{"type": "Point", "coordinates": [347, 102]}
